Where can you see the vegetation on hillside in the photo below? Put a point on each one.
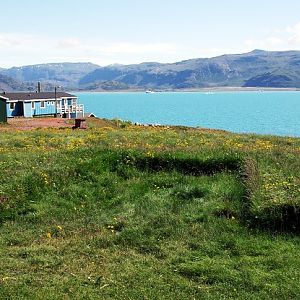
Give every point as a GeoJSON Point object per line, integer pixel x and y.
{"type": "Point", "coordinates": [105, 86]}
{"type": "Point", "coordinates": [132, 212]}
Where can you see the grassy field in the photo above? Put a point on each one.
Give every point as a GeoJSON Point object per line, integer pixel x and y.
{"type": "Point", "coordinates": [127, 212]}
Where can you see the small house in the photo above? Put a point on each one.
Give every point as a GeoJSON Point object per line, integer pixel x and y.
{"type": "Point", "coordinates": [40, 104]}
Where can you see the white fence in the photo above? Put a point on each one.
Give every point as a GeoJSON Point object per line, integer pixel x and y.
{"type": "Point", "coordinates": [77, 109]}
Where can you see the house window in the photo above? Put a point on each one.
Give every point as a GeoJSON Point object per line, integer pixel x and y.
{"type": "Point", "coordinates": [12, 105]}
{"type": "Point", "coordinates": [33, 105]}
{"type": "Point", "coordinates": [42, 104]}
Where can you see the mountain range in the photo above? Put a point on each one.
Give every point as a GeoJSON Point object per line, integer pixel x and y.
{"type": "Point", "coordinates": [276, 69]}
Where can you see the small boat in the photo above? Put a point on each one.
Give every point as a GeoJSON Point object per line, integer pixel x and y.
{"type": "Point", "coordinates": [150, 92]}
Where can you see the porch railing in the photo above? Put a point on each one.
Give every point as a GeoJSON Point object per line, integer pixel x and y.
{"type": "Point", "coordinates": [70, 109]}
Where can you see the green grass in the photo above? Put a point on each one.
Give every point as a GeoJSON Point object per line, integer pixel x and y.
{"type": "Point", "coordinates": [135, 213]}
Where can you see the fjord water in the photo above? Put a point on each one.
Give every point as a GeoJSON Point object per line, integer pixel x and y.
{"type": "Point", "coordinates": [276, 113]}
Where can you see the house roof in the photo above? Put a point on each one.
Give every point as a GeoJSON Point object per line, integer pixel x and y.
{"type": "Point", "coordinates": [35, 96]}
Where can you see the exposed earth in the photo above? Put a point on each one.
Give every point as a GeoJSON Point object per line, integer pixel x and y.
{"type": "Point", "coordinates": [50, 122]}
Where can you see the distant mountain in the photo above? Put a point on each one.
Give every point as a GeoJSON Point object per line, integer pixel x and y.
{"type": "Point", "coordinates": [9, 84]}
{"type": "Point", "coordinates": [256, 69]}
{"type": "Point", "coordinates": [64, 74]}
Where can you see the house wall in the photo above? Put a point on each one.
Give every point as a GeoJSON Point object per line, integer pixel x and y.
{"type": "Point", "coordinates": [17, 111]}
{"type": "Point", "coordinates": [3, 112]}
{"type": "Point", "coordinates": [49, 108]}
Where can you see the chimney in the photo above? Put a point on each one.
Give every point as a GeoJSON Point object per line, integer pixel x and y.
{"type": "Point", "coordinates": [39, 87]}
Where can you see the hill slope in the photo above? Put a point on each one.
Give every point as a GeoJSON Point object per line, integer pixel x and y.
{"type": "Point", "coordinates": [10, 84]}
{"type": "Point", "coordinates": [65, 74]}
{"type": "Point", "coordinates": [254, 69]}
{"type": "Point", "coordinates": [249, 69]}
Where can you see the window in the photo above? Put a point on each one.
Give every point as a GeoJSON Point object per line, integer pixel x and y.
{"type": "Point", "coordinates": [42, 104]}
{"type": "Point", "coordinates": [52, 103]}
{"type": "Point", "coordinates": [48, 103]}
{"type": "Point", "coordinates": [12, 105]}
{"type": "Point", "coordinates": [33, 105]}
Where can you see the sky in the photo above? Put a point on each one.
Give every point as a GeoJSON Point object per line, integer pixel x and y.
{"type": "Point", "coordinates": [134, 31]}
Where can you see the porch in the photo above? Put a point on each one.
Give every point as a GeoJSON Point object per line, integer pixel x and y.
{"type": "Point", "coordinates": [71, 111]}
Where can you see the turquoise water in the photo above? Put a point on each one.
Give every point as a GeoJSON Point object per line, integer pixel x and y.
{"type": "Point", "coordinates": [275, 113]}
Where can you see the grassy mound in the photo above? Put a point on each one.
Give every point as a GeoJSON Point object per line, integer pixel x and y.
{"type": "Point", "coordinates": [148, 213]}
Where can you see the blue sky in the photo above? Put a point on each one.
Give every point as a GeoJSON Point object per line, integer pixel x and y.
{"type": "Point", "coordinates": [133, 31]}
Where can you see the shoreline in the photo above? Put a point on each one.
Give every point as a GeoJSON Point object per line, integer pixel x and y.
{"type": "Point", "coordinates": [197, 90]}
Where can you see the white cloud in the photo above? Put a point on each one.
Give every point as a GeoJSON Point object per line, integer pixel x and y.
{"type": "Point", "coordinates": [116, 48]}
{"type": "Point", "coordinates": [137, 48]}
{"type": "Point", "coordinates": [11, 40]}
{"type": "Point", "coordinates": [282, 39]}
{"type": "Point", "coordinates": [294, 29]}
{"type": "Point", "coordinates": [273, 42]}
{"type": "Point", "coordinates": [21, 49]}
{"type": "Point", "coordinates": [295, 41]}
{"type": "Point", "coordinates": [294, 32]}
{"type": "Point", "coordinates": [68, 43]}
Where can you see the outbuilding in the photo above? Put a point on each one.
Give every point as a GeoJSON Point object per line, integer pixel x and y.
{"type": "Point", "coordinates": [3, 111]}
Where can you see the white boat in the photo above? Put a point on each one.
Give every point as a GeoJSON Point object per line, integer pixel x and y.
{"type": "Point", "coordinates": [150, 92]}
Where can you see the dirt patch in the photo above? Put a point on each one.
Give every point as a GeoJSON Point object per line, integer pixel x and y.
{"type": "Point", "coordinates": [33, 123]}
{"type": "Point", "coordinates": [51, 122]}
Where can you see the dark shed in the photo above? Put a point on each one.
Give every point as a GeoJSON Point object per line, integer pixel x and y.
{"type": "Point", "coordinates": [3, 112]}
